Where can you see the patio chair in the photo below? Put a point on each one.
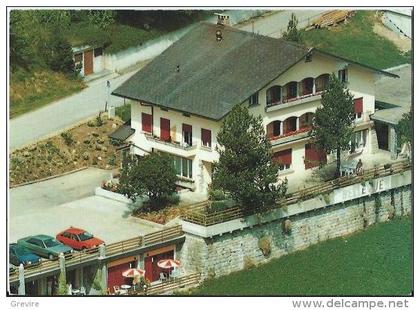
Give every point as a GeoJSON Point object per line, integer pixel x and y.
{"type": "Point", "coordinates": [116, 290]}
{"type": "Point", "coordinates": [83, 291]}
{"type": "Point", "coordinates": [162, 277]}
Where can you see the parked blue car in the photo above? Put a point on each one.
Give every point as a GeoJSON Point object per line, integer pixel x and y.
{"type": "Point", "coordinates": [20, 255]}
{"type": "Point", "coordinates": [45, 246]}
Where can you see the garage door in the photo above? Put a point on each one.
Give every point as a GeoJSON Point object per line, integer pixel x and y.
{"type": "Point", "coordinates": [115, 276]}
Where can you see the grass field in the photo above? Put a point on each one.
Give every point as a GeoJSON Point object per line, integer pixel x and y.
{"type": "Point", "coordinates": [356, 40]}
{"type": "Point", "coordinates": [377, 261]}
{"type": "Point", "coordinates": [32, 90]}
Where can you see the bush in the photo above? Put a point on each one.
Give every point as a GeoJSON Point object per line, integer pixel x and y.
{"type": "Point", "coordinates": [265, 245]}
{"type": "Point", "coordinates": [112, 160]}
{"type": "Point", "coordinates": [248, 263]}
{"type": "Point", "coordinates": [217, 195]}
{"type": "Point", "coordinates": [99, 121]}
{"type": "Point", "coordinates": [216, 206]}
{"type": "Point", "coordinates": [173, 199]}
{"type": "Point", "coordinates": [67, 137]}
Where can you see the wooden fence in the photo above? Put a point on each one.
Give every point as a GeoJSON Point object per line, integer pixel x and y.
{"type": "Point", "coordinates": [203, 215]}
{"type": "Point", "coordinates": [190, 280]}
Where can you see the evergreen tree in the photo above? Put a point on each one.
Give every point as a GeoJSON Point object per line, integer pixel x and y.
{"type": "Point", "coordinates": [292, 33]}
{"type": "Point", "coordinates": [245, 168]}
{"type": "Point", "coordinates": [332, 122]}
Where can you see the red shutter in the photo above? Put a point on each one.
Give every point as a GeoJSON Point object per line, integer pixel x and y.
{"type": "Point", "coordinates": [270, 130]}
{"type": "Point", "coordinates": [358, 105]}
{"type": "Point", "coordinates": [313, 157]}
{"type": "Point", "coordinates": [283, 157]}
{"type": "Point", "coordinates": [165, 125]}
{"type": "Point", "coordinates": [146, 122]}
{"type": "Point", "coordinates": [206, 137]}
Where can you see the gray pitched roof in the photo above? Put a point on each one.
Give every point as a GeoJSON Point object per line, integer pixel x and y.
{"type": "Point", "coordinates": [213, 76]}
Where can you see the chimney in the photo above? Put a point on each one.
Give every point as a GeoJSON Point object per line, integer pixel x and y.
{"type": "Point", "coordinates": [222, 19]}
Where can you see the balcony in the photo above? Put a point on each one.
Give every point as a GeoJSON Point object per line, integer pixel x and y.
{"type": "Point", "coordinates": [285, 103]}
{"type": "Point", "coordinates": [290, 136]}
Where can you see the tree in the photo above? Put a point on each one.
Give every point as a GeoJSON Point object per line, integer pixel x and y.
{"type": "Point", "coordinates": [62, 286]}
{"type": "Point", "coordinates": [153, 175]}
{"type": "Point", "coordinates": [245, 168]}
{"type": "Point", "coordinates": [101, 18]}
{"type": "Point", "coordinates": [332, 122]}
{"type": "Point", "coordinates": [404, 129]}
{"type": "Point", "coordinates": [292, 33]}
{"type": "Point", "coordinates": [58, 55]}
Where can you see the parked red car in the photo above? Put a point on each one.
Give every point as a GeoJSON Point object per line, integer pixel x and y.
{"type": "Point", "coordinates": [78, 239]}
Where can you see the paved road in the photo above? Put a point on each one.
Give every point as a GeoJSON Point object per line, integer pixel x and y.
{"type": "Point", "coordinates": [53, 205]}
{"type": "Point", "coordinates": [63, 113]}
{"type": "Point", "coordinates": [275, 24]}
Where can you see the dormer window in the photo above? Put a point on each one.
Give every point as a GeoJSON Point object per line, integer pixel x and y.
{"type": "Point", "coordinates": [253, 100]}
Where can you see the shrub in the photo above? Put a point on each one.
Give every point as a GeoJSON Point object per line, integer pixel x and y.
{"type": "Point", "coordinates": [62, 287]}
{"type": "Point", "coordinates": [99, 121]}
{"type": "Point", "coordinates": [216, 206]}
{"type": "Point", "coordinates": [216, 195]}
{"type": "Point", "coordinates": [112, 160]}
{"type": "Point", "coordinates": [173, 199]}
{"type": "Point", "coordinates": [286, 226]}
{"type": "Point", "coordinates": [248, 263]}
{"type": "Point", "coordinates": [265, 245]}
{"type": "Point", "coordinates": [67, 137]}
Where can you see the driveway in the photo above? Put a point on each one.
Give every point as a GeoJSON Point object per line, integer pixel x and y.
{"type": "Point", "coordinates": [50, 206]}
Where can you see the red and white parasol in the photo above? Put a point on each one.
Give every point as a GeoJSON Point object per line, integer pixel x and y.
{"type": "Point", "coordinates": [133, 272]}
{"type": "Point", "coordinates": [169, 263]}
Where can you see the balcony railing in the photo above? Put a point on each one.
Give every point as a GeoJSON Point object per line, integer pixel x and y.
{"type": "Point", "coordinates": [292, 99]}
{"type": "Point", "coordinates": [183, 146]}
{"type": "Point", "coordinates": [291, 133]}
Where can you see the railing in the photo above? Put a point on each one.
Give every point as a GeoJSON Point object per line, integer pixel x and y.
{"type": "Point", "coordinates": [162, 236]}
{"type": "Point", "coordinates": [171, 143]}
{"type": "Point", "coordinates": [112, 249]}
{"type": "Point", "coordinates": [202, 215]}
{"type": "Point", "coordinates": [191, 280]}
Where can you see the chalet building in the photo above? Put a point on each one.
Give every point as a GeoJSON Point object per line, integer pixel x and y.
{"type": "Point", "coordinates": [180, 99]}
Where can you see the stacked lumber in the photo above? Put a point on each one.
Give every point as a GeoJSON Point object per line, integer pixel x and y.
{"type": "Point", "coordinates": [331, 18]}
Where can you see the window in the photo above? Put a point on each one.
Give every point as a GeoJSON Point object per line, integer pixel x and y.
{"type": "Point", "coordinates": [276, 128]}
{"type": "Point", "coordinates": [187, 134]}
{"type": "Point", "coordinates": [253, 100]}
{"type": "Point", "coordinates": [183, 166]}
{"type": "Point", "coordinates": [97, 52]}
{"type": "Point", "coordinates": [146, 122]}
{"type": "Point", "coordinates": [358, 140]}
{"type": "Point", "coordinates": [206, 137]}
{"type": "Point", "coordinates": [291, 90]}
{"type": "Point", "coordinates": [307, 86]}
{"type": "Point", "coordinates": [283, 159]}
{"type": "Point", "coordinates": [273, 95]}
{"type": "Point", "coordinates": [321, 82]}
{"type": "Point", "coordinates": [66, 234]}
{"type": "Point", "coordinates": [343, 76]}
{"type": "Point", "coordinates": [78, 58]}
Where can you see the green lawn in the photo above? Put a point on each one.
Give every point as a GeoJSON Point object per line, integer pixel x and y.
{"type": "Point", "coordinates": [357, 41]}
{"type": "Point", "coordinates": [32, 90]}
{"type": "Point", "coordinates": [377, 261]}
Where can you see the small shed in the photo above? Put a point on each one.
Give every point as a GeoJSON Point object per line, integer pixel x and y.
{"type": "Point", "coordinates": [89, 59]}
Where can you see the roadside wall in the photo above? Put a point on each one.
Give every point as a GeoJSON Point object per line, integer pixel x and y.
{"type": "Point", "coordinates": [225, 253]}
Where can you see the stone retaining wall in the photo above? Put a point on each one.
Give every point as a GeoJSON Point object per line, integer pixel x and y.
{"type": "Point", "coordinates": [229, 252]}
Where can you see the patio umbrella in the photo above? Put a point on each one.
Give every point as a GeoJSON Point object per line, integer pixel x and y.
{"type": "Point", "coordinates": [168, 263]}
{"type": "Point", "coordinates": [133, 272]}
